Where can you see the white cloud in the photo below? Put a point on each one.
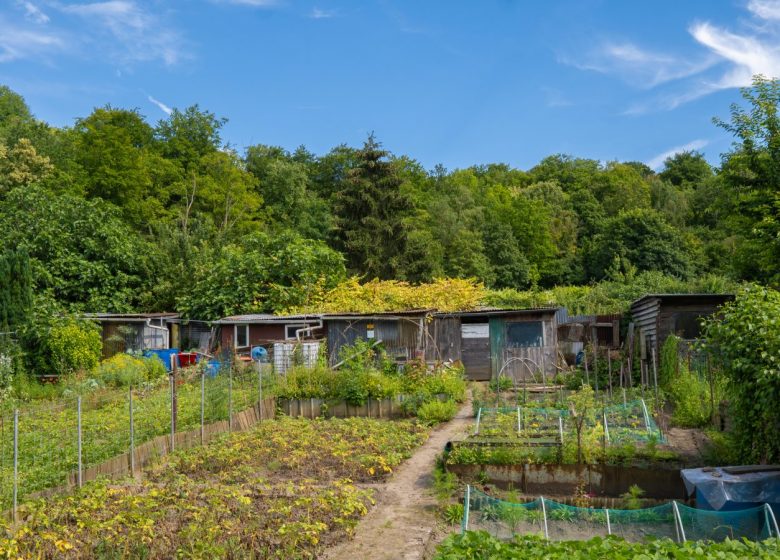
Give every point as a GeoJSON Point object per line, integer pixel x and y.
{"type": "Point", "coordinates": [657, 162]}
{"type": "Point", "coordinates": [33, 12]}
{"type": "Point", "coordinates": [640, 67]}
{"type": "Point", "coordinates": [730, 59]}
{"type": "Point", "coordinates": [16, 43]}
{"type": "Point", "coordinates": [140, 35]}
{"type": "Point", "coordinates": [317, 13]}
{"type": "Point", "coordinates": [749, 55]}
{"type": "Point", "coordinates": [160, 105]}
{"type": "Point", "coordinates": [765, 9]}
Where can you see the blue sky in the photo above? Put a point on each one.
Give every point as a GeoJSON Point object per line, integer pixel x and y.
{"type": "Point", "coordinates": [457, 83]}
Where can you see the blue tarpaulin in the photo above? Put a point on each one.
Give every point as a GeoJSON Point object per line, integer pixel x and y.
{"type": "Point", "coordinates": [724, 488]}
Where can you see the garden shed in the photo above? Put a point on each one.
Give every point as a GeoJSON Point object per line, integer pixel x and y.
{"type": "Point", "coordinates": [403, 334]}
{"type": "Point", "coordinates": [121, 332]}
{"type": "Point", "coordinates": [656, 316]}
{"type": "Point", "coordinates": [241, 332]}
{"type": "Point", "coordinates": [519, 343]}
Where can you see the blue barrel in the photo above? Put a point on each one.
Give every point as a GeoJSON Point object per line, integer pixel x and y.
{"type": "Point", "coordinates": [213, 367]}
{"type": "Point", "coordinates": [164, 355]}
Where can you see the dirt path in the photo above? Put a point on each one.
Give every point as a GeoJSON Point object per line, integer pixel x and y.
{"type": "Point", "coordinates": [403, 523]}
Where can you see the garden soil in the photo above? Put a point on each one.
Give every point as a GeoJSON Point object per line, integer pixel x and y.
{"type": "Point", "coordinates": [404, 525]}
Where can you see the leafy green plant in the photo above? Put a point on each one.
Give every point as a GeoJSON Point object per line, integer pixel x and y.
{"type": "Point", "coordinates": [435, 412]}
{"type": "Point", "coordinates": [453, 513]}
{"type": "Point", "coordinates": [480, 544]}
{"type": "Point", "coordinates": [633, 498]}
{"type": "Point", "coordinates": [502, 383]}
{"type": "Point", "coordinates": [445, 484]}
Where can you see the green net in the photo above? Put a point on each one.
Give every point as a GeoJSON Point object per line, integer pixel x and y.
{"type": "Point", "coordinates": [560, 522]}
{"type": "Point", "coordinates": [631, 422]}
{"type": "Point", "coordinates": [753, 524]}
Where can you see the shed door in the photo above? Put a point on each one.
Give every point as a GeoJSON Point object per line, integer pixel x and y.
{"type": "Point", "coordinates": [475, 350]}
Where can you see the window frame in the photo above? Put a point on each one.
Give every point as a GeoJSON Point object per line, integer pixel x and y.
{"type": "Point", "coordinates": [236, 328]}
{"type": "Point", "coordinates": [541, 338]}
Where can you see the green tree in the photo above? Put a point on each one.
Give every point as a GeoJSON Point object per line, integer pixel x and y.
{"type": "Point", "coordinates": [16, 288]}
{"type": "Point", "coordinates": [22, 166]}
{"type": "Point", "coordinates": [79, 250]}
{"type": "Point", "coordinates": [186, 136]}
{"type": "Point", "coordinates": [686, 169]}
{"type": "Point", "coordinates": [642, 239]}
{"type": "Point", "coordinates": [751, 172]}
{"type": "Point", "coordinates": [284, 183]}
{"type": "Point", "coordinates": [262, 274]}
{"type": "Point", "coordinates": [116, 151]}
{"type": "Point", "coordinates": [370, 212]}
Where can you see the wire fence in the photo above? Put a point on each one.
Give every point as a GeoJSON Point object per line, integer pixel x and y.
{"type": "Point", "coordinates": [556, 521]}
{"type": "Point", "coordinates": [48, 446]}
{"type": "Point", "coordinates": [550, 426]}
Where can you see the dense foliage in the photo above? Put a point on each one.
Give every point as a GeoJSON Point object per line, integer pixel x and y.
{"type": "Point", "coordinates": [745, 338]}
{"type": "Point", "coordinates": [118, 214]}
{"type": "Point", "coordinates": [479, 545]}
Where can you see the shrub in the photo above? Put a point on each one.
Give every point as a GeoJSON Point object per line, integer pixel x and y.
{"type": "Point", "coordinates": [503, 383]}
{"type": "Point", "coordinates": [74, 346]}
{"type": "Point", "coordinates": [435, 412]}
{"type": "Point", "coordinates": [745, 338]}
{"type": "Point", "coordinates": [123, 370]}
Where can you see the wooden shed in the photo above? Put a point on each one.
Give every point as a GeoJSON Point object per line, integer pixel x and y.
{"type": "Point", "coordinates": [656, 316]}
{"type": "Point", "coordinates": [121, 332]}
{"type": "Point", "coordinates": [404, 334]}
{"type": "Point", "coordinates": [519, 343]}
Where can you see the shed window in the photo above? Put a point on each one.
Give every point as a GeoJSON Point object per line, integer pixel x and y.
{"type": "Point", "coordinates": [524, 334]}
{"type": "Point", "coordinates": [242, 336]}
{"type": "Point", "coordinates": [290, 330]}
{"type": "Point", "coordinates": [687, 324]}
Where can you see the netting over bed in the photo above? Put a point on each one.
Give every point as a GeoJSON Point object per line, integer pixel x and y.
{"type": "Point", "coordinates": [556, 521]}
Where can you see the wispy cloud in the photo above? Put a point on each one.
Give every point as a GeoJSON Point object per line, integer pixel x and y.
{"type": "Point", "coordinates": [138, 34]}
{"type": "Point", "coordinates": [748, 55]}
{"type": "Point", "coordinates": [317, 13]}
{"type": "Point", "coordinates": [33, 12]}
{"type": "Point", "coordinates": [765, 9]}
{"type": "Point", "coordinates": [657, 162]}
{"type": "Point", "coordinates": [160, 105]}
{"type": "Point", "coordinates": [729, 59]}
{"type": "Point", "coordinates": [642, 68]}
{"type": "Point", "coordinates": [17, 43]}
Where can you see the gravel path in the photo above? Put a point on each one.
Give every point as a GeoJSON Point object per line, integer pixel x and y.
{"type": "Point", "coordinates": [403, 524]}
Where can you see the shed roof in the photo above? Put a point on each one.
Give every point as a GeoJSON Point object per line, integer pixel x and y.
{"type": "Point", "coordinates": [382, 315]}
{"type": "Point", "coordinates": [497, 312]}
{"type": "Point", "coordinates": [265, 318]}
{"type": "Point", "coordinates": [680, 298]}
{"type": "Point", "coordinates": [130, 317]}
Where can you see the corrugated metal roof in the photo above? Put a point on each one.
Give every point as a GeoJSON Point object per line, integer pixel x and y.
{"type": "Point", "coordinates": [667, 297]}
{"type": "Point", "coordinates": [265, 318]}
{"type": "Point", "coordinates": [499, 311]}
{"type": "Point", "coordinates": [378, 315]}
{"type": "Point", "coordinates": [131, 316]}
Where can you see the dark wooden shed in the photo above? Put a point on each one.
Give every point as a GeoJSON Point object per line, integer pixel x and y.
{"type": "Point", "coordinates": [404, 334]}
{"type": "Point", "coordinates": [656, 316]}
{"type": "Point", "coordinates": [122, 332]}
{"type": "Point", "coordinates": [519, 343]}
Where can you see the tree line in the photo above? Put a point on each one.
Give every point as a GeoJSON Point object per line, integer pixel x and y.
{"type": "Point", "coordinates": [117, 214]}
